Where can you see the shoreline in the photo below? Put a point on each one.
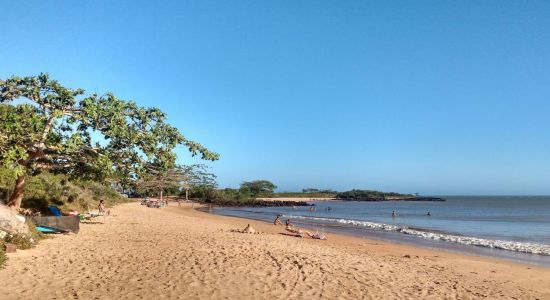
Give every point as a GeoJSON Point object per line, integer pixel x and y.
{"type": "Point", "coordinates": [385, 242]}
{"type": "Point", "coordinates": [392, 237]}
{"type": "Point", "coordinates": [180, 252]}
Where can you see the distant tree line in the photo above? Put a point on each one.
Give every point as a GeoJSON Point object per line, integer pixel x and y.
{"type": "Point", "coordinates": [318, 191]}
{"type": "Point", "coordinates": [370, 195]}
{"type": "Point", "coordinates": [246, 193]}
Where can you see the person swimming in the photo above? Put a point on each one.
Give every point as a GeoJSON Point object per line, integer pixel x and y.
{"type": "Point", "coordinates": [428, 214]}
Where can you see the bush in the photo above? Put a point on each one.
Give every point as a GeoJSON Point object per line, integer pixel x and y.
{"type": "Point", "coordinates": [47, 189]}
{"type": "Point", "coordinates": [21, 241]}
{"type": "Point", "coordinates": [3, 257]}
{"type": "Point", "coordinates": [35, 234]}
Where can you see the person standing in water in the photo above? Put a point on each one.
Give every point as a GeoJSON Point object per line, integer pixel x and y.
{"type": "Point", "coordinates": [393, 214]}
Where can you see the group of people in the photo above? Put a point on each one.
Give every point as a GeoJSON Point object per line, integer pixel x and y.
{"type": "Point", "coordinates": [277, 221]}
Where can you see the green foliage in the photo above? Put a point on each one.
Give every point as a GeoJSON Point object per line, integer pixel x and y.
{"type": "Point", "coordinates": [7, 181]}
{"type": "Point", "coordinates": [306, 195]}
{"type": "Point", "coordinates": [177, 179]}
{"type": "Point", "coordinates": [370, 195]}
{"type": "Point", "coordinates": [259, 188]}
{"type": "Point", "coordinates": [227, 195]}
{"type": "Point", "coordinates": [203, 193]}
{"type": "Point", "coordinates": [3, 256]}
{"type": "Point", "coordinates": [21, 241]}
{"type": "Point", "coordinates": [45, 189]}
{"type": "Point", "coordinates": [52, 129]}
{"type": "Point", "coordinates": [317, 191]}
{"type": "Point", "coordinates": [35, 234]}
{"type": "Point", "coordinates": [7, 178]}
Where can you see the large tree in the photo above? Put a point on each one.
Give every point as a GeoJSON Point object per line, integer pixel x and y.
{"type": "Point", "coordinates": [185, 177]}
{"type": "Point", "coordinates": [159, 179]}
{"type": "Point", "coordinates": [259, 187]}
{"type": "Point", "coordinates": [197, 176]}
{"type": "Point", "coordinates": [46, 126]}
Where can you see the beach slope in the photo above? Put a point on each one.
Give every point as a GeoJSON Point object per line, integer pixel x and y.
{"type": "Point", "coordinates": [179, 253]}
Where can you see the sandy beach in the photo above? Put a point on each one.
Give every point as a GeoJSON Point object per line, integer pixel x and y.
{"type": "Point", "coordinates": [179, 253]}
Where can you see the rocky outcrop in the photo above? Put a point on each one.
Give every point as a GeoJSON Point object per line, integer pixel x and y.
{"type": "Point", "coordinates": [12, 223]}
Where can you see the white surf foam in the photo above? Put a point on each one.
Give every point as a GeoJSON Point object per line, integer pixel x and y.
{"type": "Point", "coordinates": [541, 249]}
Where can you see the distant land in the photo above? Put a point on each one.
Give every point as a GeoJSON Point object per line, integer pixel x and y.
{"type": "Point", "coordinates": [352, 195]}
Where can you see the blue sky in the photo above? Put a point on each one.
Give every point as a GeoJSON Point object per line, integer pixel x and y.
{"type": "Point", "coordinates": [436, 97]}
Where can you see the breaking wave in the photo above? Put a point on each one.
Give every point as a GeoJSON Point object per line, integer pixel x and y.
{"type": "Point", "coordinates": [540, 249]}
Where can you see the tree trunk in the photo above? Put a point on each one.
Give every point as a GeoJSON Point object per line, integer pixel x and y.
{"type": "Point", "coordinates": [161, 197]}
{"type": "Point", "coordinates": [186, 195]}
{"type": "Point", "coordinates": [17, 196]}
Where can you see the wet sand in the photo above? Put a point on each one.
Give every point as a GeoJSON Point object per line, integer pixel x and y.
{"type": "Point", "coordinates": [180, 253]}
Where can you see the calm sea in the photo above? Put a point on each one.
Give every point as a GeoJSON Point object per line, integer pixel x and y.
{"type": "Point", "coordinates": [512, 227]}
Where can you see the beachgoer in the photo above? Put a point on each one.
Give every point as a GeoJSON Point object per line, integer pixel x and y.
{"type": "Point", "coordinates": [393, 214]}
{"type": "Point", "coordinates": [287, 223]}
{"type": "Point", "coordinates": [277, 221]}
{"type": "Point", "coordinates": [101, 206]}
{"type": "Point", "coordinates": [428, 214]}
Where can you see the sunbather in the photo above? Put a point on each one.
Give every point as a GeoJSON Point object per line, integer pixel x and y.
{"type": "Point", "coordinates": [300, 232]}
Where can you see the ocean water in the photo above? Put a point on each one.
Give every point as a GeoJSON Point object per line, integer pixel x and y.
{"type": "Point", "coordinates": [512, 227]}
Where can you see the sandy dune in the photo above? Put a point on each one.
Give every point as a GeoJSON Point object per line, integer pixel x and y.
{"type": "Point", "coordinates": [178, 253]}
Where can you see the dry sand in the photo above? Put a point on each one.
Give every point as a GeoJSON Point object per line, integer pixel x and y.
{"type": "Point", "coordinates": [169, 253]}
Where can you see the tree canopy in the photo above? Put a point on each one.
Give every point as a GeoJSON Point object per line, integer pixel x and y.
{"type": "Point", "coordinates": [179, 177]}
{"type": "Point", "coordinates": [370, 195]}
{"type": "Point", "coordinates": [46, 126]}
{"type": "Point", "coordinates": [259, 187]}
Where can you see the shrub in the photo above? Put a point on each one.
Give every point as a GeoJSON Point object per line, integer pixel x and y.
{"type": "Point", "coordinates": [47, 189]}
{"type": "Point", "coordinates": [21, 241]}
{"type": "Point", "coordinates": [35, 234]}
{"type": "Point", "coordinates": [3, 257]}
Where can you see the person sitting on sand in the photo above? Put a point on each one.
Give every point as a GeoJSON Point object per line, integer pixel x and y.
{"type": "Point", "coordinates": [101, 206]}
{"type": "Point", "coordinates": [287, 223]}
{"type": "Point", "coordinates": [277, 221]}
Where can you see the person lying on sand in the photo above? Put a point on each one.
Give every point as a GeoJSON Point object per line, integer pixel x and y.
{"type": "Point", "coordinates": [300, 232]}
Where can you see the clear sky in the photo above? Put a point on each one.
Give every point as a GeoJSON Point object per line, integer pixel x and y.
{"type": "Point", "coordinates": [436, 97]}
